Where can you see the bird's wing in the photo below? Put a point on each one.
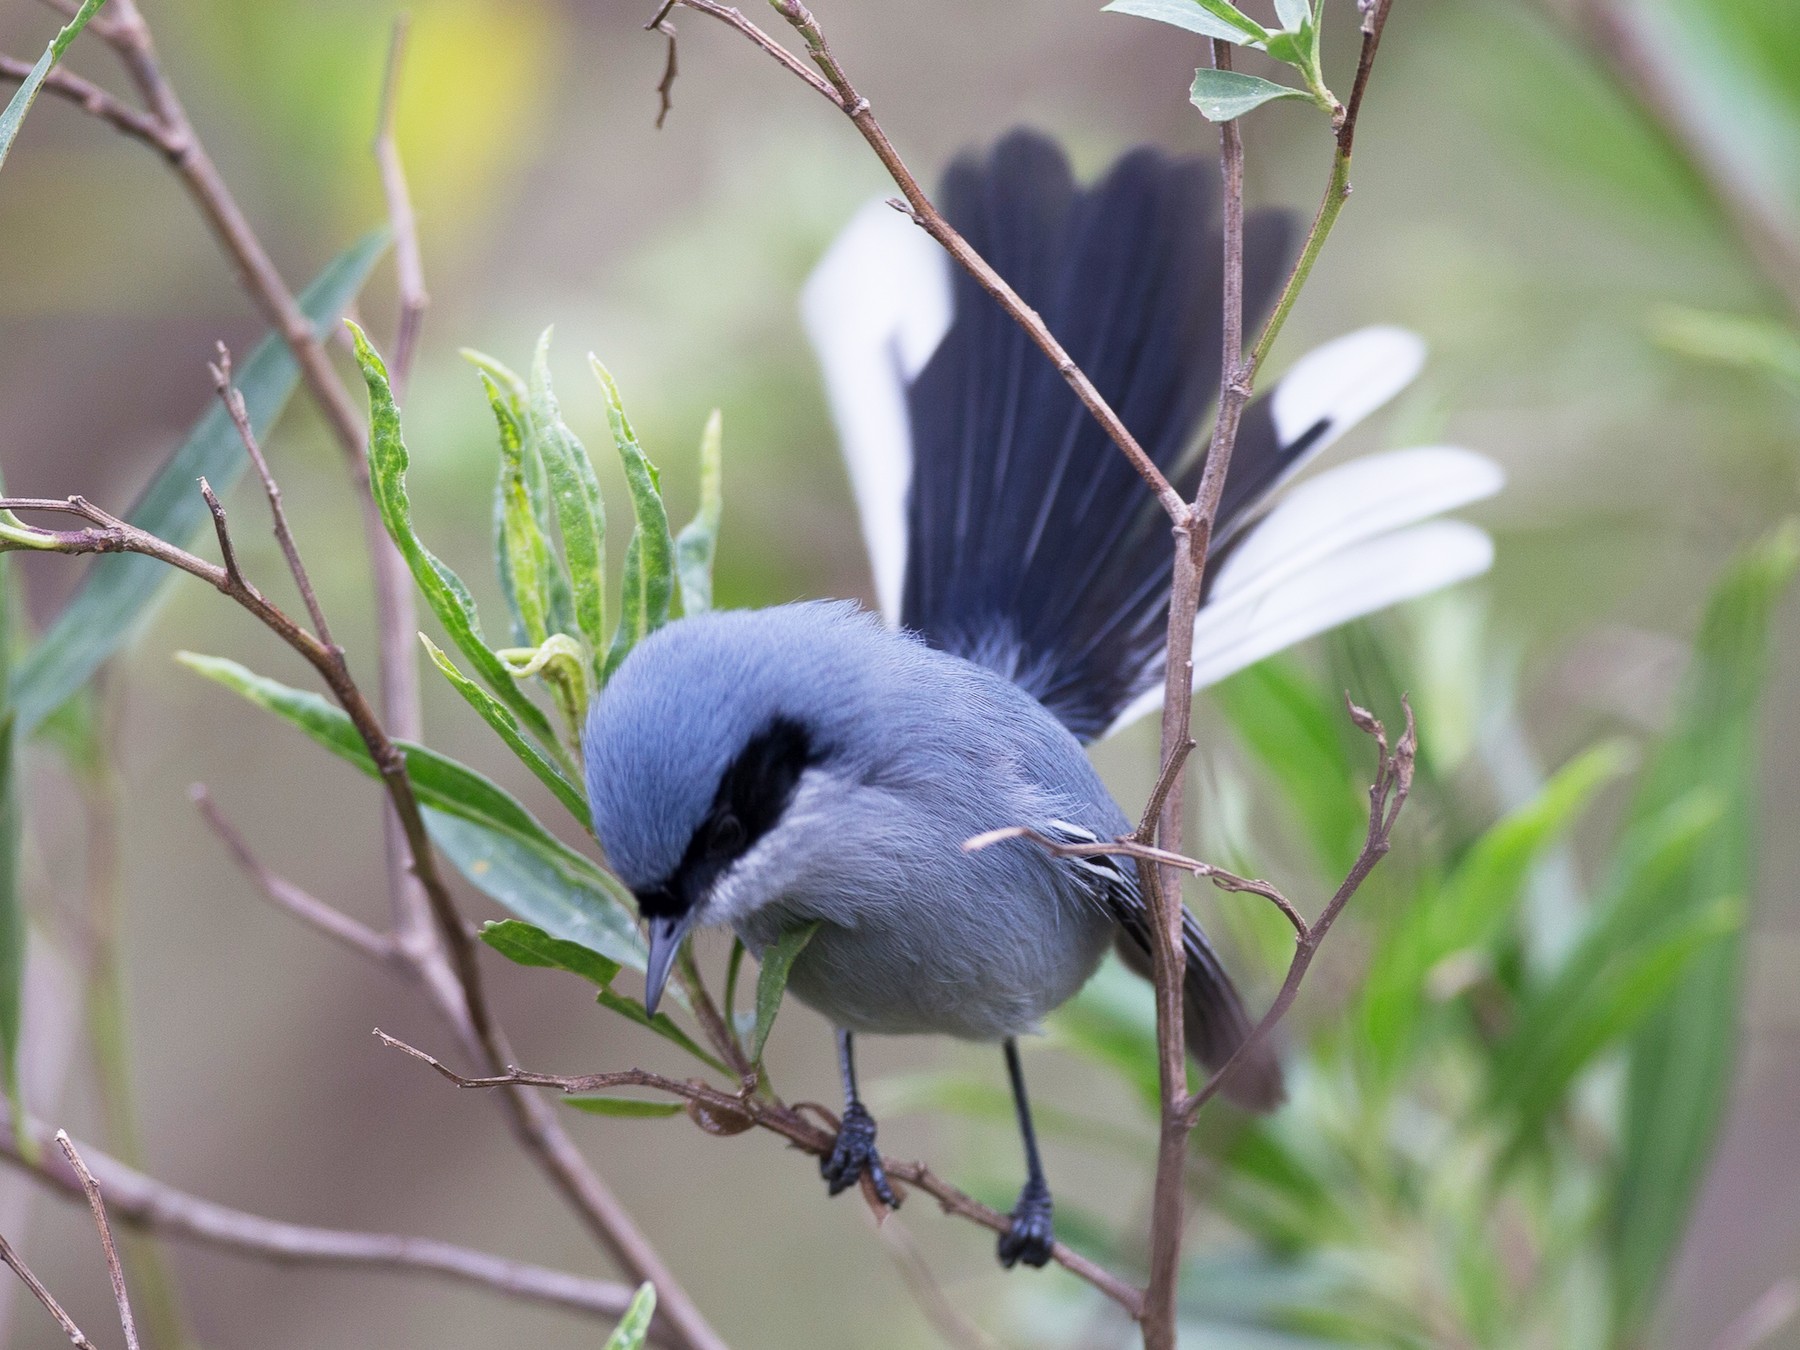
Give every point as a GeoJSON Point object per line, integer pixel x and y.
{"type": "Point", "coordinates": [1216, 1023]}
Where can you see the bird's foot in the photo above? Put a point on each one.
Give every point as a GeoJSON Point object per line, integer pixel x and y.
{"type": "Point", "coordinates": [855, 1154]}
{"type": "Point", "coordinates": [1031, 1237]}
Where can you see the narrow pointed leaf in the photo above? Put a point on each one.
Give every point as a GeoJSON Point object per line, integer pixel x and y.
{"type": "Point", "coordinates": [699, 538]}
{"type": "Point", "coordinates": [522, 551]}
{"type": "Point", "coordinates": [624, 1108]}
{"type": "Point", "coordinates": [26, 94]}
{"type": "Point", "coordinates": [771, 983]}
{"type": "Point", "coordinates": [575, 493]}
{"type": "Point", "coordinates": [530, 946]}
{"type": "Point", "coordinates": [634, 1328]}
{"type": "Point", "coordinates": [493, 840]}
{"type": "Point", "coordinates": [1224, 95]}
{"type": "Point", "coordinates": [442, 588]}
{"type": "Point", "coordinates": [649, 577]}
{"type": "Point", "coordinates": [1209, 18]}
{"type": "Point", "coordinates": [1682, 1059]}
{"type": "Point", "coordinates": [119, 592]}
{"type": "Point", "coordinates": [527, 945]}
{"type": "Point", "coordinates": [500, 718]}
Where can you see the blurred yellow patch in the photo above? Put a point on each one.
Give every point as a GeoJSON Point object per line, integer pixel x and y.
{"type": "Point", "coordinates": [306, 82]}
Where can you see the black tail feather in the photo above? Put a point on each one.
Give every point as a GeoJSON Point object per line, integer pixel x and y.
{"type": "Point", "coordinates": [1215, 1021]}
{"type": "Point", "coordinates": [1032, 545]}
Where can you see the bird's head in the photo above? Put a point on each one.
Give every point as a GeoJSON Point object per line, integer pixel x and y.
{"type": "Point", "coordinates": [697, 748]}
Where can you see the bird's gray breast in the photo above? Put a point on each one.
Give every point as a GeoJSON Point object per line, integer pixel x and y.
{"type": "Point", "coordinates": [979, 947]}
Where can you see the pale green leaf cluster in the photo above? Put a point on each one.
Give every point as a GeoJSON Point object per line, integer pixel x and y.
{"type": "Point", "coordinates": [1224, 95]}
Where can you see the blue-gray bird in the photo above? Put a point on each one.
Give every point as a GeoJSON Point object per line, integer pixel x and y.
{"type": "Point", "coordinates": [818, 764]}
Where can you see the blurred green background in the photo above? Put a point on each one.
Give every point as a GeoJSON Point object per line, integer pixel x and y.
{"type": "Point", "coordinates": [1509, 205]}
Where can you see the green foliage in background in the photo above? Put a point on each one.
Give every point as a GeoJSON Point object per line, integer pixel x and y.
{"type": "Point", "coordinates": [1492, 1139]}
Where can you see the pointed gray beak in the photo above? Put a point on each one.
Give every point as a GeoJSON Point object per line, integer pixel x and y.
{"type": "Point", "coordinates": [666, 936]}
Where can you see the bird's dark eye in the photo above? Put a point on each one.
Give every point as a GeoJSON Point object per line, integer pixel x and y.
{"type": "Point", "coordinates": [726, 835]}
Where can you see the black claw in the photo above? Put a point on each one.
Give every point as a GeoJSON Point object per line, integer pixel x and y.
{"type": "Point", "coordinates": [853, 1154]}
{"type": "Point", "coordinates": [1032, 1235]}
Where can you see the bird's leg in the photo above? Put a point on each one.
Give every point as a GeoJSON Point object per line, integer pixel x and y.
{"type": "Point", "coordinates": [1031, 1236]}
{"type": "Point", "coordinates": [854, 1153]}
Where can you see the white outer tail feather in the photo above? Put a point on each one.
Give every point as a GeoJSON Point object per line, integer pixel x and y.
{"type": "Point", "coordinates": [875, 309]}
{"type": "Point", "coordinates": [1342, 545]}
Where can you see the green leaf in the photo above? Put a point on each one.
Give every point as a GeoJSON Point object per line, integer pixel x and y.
{"type": "Point", "coordinates": [528, 945]}
{"type": "Point", "coordinates": [1294, 14]}
{"type": "Point", "coordinates": [1291, 725]}
{"type": "Point", "coordinates": [508, 396]}
{"type": "Point", "coordinates": [634, 1327]}
{"type": "Point", "coordinates": [649, 579]}
{"type": "Point", "coordinates": [1681, 1060]}
{"type": "Point", "coordinates": [541, 882]}
{"type": "Point", "coordinates": [1112, 1022]}
{"type": "Point", "coordinates": [776, 964]}
{"type": "Point", "coordinates": [1223, 95]}
{"type": "Point", "coordinates": [493, 840]}
{"type": "Point", "coordinates": [624, 1108]}
{"type": "Point", "coordinates": [1748, 341]}
{"type": "Point", "coordinates": [500, 718]}
{"type": "Point", "coordinates": [699, 538]}
{"type": "Point", "coordinates": [119, 592]}
{"type": "Point", "coordinates": [442, 588]}
{"type": "Point", "coordinates": [1555, 1043]}
{"type": "Point", "coordinates": [575, 491]}
{"type": "Point", "coordinates": [523, 553]}
{"type": "Point", "coordinates": [27, 92]}
{"type": "Point", "coordinates": [1468, 909]}
{"type": "Point", "coordinates": [1209, 18]}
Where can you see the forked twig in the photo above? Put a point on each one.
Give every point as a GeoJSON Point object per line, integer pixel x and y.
{"type": "Point", "coordinates": [114, 1269]}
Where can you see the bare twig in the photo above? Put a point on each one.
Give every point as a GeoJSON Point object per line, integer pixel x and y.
{"type": "Point", "coordinates": [95, 102]}
{"type": "Point", "coordinates": [1128, 846]}
{"type": "Point", "coordinates": [408, 263]}
{"type": "Point", "coordinates": [665, 87]}
{"type": "Point", "coordinates": [44, 1296]}
{"type": "Point", "coordinates": [722, 1112]}
{"type": "Point", "coordinates": [141, 1202]}
{"type": "Point", "coordinates": [334, 923]}
{"type": "Point", "coordinates": [836, 87]}
{"type": "Point", "coordinates": [1393, 781]}
{"type": "Point", "coordinates": [91, 1188]}
{"type": "Point", "coordinates": [464, 1002]}
{"type": "Point", "coordinates": [233, 399]}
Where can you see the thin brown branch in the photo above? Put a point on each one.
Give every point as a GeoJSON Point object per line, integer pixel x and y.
{"type": "Point", "coordinates": [234, 575]}
{"type": "Point", "coordinates": [462, 1002]}
{"type": "Point", "coordinates": [1388, 793]}
{"type": "Point", "coordinates": [114, 1270]}
{"type": "Point", "coordinates": [409, 265]}
{"type": "Point", "coordinates": [1128, 846]}
{"type": "Point", "coordinates": [44, 1296]}
{"type": "Point", "coordinates": [837, 87]}
{"type": "Point", "coordinates": [665, 87]}
{"type": "Point", "coordinates": [333, 923]}
{"type": "Point", "coordinates": [95, 102]}
{"type": "Point", "coordinates": [727, 1113]}
{"type": "Point", "coordinates": [233, 399]}
{"type": "Point", "coordinates": [144, 1203]}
